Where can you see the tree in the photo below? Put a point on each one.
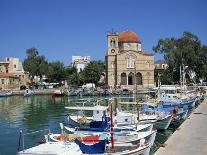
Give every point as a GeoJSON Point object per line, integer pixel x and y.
{"type": "Point", "coordinates": [186, 50]}
{"type": "Point", "coordinates": [56, 72]}
{"type": "Point", "coordinates": [35, 64]}
{"type": "Point", "coordinates": [92, 72]}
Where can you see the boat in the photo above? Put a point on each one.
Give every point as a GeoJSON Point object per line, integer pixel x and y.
{"type": "Point", "coordinates": [178, 113]}
{"type": "Point", "coordinates": [78, 123]}
{"type": "Point", "coordinates": [102, 147]}
{"type": "Point", "coordinates": [79, 148]}
{"type": "Point", "coordinates": [5, 93]}
{"type": "Point", "coordinates": [129, 138]}
{"type": "Point", "coordinates": [58, 93]}
{"type": "Point", "coordinates": [167, 101]}
{"type": "Point", "coordinates": [71, 92]}
{"type": "Point", "coordinates": [28, 92]}
{"type": "Point", "coordinates": [160, 120]}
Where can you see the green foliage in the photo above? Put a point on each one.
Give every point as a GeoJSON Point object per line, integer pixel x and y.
{"type": "Point", "coordinates": [187, 50]}
{"type": "Point", "coordinates": [56, 72]}
{"type": "Point", "coordinates": [92, 72]}
{"type": "Point", "coordinates": [35, 64]}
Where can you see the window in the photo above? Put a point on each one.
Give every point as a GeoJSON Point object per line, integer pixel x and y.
{"type": "Point", "coordinates": [139, 78]}
{"type": "Point", "coordinates": [112, 43]}
{"type": "Point", "coordinates": [2, 81]}
{"type": "Point", "coordinates": [123, 79]}
{"type": "Point", "coordinates": [112, 64]}
{"type": "Point", "coordinates": [15, 66]}
{"type": "Point", "coordinates": [131, 79]}
{"type": "Point", "coordinates": [130, 62]}
{"type": "Point", "coordinates": [112, 75]}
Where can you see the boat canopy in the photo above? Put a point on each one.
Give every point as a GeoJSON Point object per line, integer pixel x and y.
{"type": "Point", "coordinates": [97, 108]}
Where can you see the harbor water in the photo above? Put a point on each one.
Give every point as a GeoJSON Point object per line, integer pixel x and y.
{"type": "Point", "coordinates": [39, 112]}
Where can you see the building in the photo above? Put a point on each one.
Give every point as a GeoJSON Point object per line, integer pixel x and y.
{"type": "Point", "coordinates": [11, 73]}
{"type": "Point", "coordinates": [160, 65]}
{"type": "Point", "coordinates": [80, 62]}
{"type": "Point", "coordinates": [128, 66]}
{"type": "Point", "coordinates": [8, 81]}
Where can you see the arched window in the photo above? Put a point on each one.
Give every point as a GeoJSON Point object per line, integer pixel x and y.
{"type": "Point", "coordinates": [139, 78]}
{"type": "Point", "coordinates": [130, 62]}
{"type": "Point", "coordinates": [131, 79]}
{"type": "Point", "coordinates": [123, 79]}
{"type": "Point", "coordinates": [112, 43]}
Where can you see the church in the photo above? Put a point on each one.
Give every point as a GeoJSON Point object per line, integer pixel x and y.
{"type": "Point", "coordinates": [128, 66]}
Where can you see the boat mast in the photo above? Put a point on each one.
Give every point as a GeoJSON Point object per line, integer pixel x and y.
{"type": "Point", "coordinates": [111, 125]}
{"type": "Point", "coordinates": [137, 113]}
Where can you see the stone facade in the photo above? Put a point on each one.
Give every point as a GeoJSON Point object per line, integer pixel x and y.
{"type": "Point", "coordinates": [11, 69]}
{"type": "Point", "coordinates": [8, 81]}
{"type": "Point", "coordinates": [128, 66]}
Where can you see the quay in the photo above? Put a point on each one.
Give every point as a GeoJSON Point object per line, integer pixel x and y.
{"type": "Point", "coordinates": [191, 138]}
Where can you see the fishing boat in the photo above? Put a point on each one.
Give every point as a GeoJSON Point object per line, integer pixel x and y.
{"type": "Point", "coordinates": [128, 138]}
{"type": "Point", "coordinates": [5, 93]}
{"type": "Point", "coordinates": [79, 148]}
{"type": "Point", "coordinates": [178, 113]}
{"type": "Point", "coordinates": [100, 114]}
{"type": "Point", "coordinates": [102, 147]}
{"type": "Point", "coordinates": [167, 101]}
{"type": "Point", "coordinates": [159, 120]}
{"type": "Point", "coordinates": [58, 93]}
{"type": "Point", "coordinates": [28, 92]}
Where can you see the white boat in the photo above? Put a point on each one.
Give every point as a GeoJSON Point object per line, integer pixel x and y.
{"type": "Point", "coordinates": [28, 92]}
{"type": "Point", "coordinates": [79, 148]}
{"type": "Point", "coordinates": [130, 138]}
{"type": "Point", "coordinates": [5, 93]}
{"type": "Point", "coordinates": [159, 120]}
{"type": "Point", "coordinates": [98, 113]}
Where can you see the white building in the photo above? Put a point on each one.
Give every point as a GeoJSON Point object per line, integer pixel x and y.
{"type": "Point", "coordinates": [80, 62]}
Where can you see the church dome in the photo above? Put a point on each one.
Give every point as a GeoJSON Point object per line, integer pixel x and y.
{"type": "Point", "coordinates": [128, 37]}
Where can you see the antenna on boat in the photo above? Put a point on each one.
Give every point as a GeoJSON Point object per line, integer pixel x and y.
{"type": "Point", "coordinates": [19, 143]}
{"type": "Point", "coordinates": [111, 126]}
{"type": "Point", "coordinates": [61, 127]}
{"type": "Point", "coordinates": [137, 113]}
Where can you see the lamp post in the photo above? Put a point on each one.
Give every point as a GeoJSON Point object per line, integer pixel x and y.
{"type": "Point", "coordinates": [135, 70]}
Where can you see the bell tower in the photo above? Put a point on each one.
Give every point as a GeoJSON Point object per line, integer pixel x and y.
{"type": "Point", "coordinates": [112, 41]}
{"type": "Point", "coordinates": [112, 50]}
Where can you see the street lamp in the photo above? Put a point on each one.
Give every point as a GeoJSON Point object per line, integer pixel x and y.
{"type": "Point", "coordinates": [135, 70]}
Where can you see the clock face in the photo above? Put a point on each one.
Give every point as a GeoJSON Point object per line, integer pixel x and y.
{"type": "Point", "coordinates": [113, 50]}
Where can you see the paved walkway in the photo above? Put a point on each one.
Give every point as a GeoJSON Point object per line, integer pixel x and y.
{"type": "Point", "coordinates": [191, 139]}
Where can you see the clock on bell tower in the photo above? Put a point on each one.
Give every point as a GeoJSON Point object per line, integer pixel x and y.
{"type": "Point", "coordinates": [112, 39]}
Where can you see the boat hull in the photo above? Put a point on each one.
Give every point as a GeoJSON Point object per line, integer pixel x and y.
{"type": "Point", "coordinates": [163, 124]}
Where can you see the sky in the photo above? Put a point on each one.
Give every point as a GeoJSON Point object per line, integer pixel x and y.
{"type": "Point", "coordinates": [59, 29]}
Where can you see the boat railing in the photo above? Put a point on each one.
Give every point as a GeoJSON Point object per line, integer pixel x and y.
{"type": "Point", "coordinates": [22, 136]}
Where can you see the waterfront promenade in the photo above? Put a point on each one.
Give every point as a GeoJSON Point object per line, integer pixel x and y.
{"type": "Point", "coordinates": [191, 138]}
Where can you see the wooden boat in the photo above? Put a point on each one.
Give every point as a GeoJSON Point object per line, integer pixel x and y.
{"type": "Point", "coordinates": [4, 93]}
{"type": "Point", "coordinates": [99, 112]}
{"type": "Point", "coordinates": [79, 148]}
{"type": "Point", "coordinates": [58, 93]}
{"type": "Point", "coordinates": [28, 92]}
{"type": "Point", "coordinates": [130, 138]}
{"type": "Point", "coordinates": [158, 121]}
{"type": "Point", "coordinates": [100, 147]}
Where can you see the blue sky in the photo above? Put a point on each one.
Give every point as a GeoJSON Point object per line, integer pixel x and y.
{"type": "Point", "coordinates": [62, 28]}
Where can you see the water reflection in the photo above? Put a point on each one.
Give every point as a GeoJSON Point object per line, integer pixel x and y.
{"type": "Point", "coordinates": [37, 113]}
